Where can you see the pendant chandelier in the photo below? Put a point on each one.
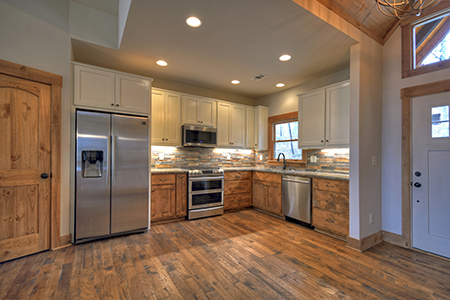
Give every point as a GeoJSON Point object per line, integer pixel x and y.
{"type": "Point", "coordinates": [403, 9]}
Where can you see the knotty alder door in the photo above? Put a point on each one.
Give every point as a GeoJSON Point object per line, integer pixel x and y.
{"type": "Point", "coordinates": [24, 156]}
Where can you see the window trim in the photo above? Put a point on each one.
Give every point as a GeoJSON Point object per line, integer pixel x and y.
{"type": "Point", "coordinates": [284, 118]}
{"type": "Point", "coordinates": [408, 69]}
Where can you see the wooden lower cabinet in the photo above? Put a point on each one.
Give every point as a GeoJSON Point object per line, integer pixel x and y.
{"type": "Point", "coordinates": [237, 190]}
{"type": "Point", "coordinates": [169, 197]}
{"type": "Point", "coordinates": [330, 211]}
{"type": "Point", "coordinates": [267, 194]}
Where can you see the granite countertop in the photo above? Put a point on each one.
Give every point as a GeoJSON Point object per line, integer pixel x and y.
{"type": "Point", "coordinates": [330, 175]}
{"type": "Point", "coordinates": [166, 171]}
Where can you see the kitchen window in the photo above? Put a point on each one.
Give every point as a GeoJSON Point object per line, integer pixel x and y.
{"type": "Point", "coordinates": [283, 138]}
{"type": "Point", "coordinates": [286, 140]}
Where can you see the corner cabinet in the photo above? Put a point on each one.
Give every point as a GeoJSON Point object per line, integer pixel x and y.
{"type": "Point", "coordinates": [324, 117]}
{"type": "Point", "coordinates": [261, 128]}
{"type": "Point", "coordinates": [166, 128]}
{"type": "Point", "coordinates": [230, 125]}
{"type": "Point", "coordinates": [198, 111]}
{"type": "Point", "coordinates": [108, 90]}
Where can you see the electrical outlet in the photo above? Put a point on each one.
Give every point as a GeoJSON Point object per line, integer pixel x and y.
{"type": "Point", "coordinates": [161, 156]}
{"type": "Point", "coordinates": [260, 157]}
{"type": "Point", "coordinates": [313, 158]}
{"type": "Point", "coordinates": [228, 156]}
{"type": "Point", "coordinates": [370, 218]}
{"type": "Point", "coordinates": [374, 160]}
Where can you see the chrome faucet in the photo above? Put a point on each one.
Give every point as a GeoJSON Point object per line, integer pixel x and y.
{"type": "Point", "coordinates": [284, 160]}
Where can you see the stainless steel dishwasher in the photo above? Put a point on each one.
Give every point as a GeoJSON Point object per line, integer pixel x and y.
{"type": "Point", "coordinates": [297, 198]}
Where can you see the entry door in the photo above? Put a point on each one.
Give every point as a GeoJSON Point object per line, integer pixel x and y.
{"type": "Point", "coordinates": [431, 173]}
{"type": "Point", "coordinates": [24, 167]}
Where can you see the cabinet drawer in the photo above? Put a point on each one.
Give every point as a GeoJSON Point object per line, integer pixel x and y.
{"type": "Point", "coordinates": [238, 187]}
{"type": "Point", "coordinates": [329, 221]}
{"type": "Point", "coordinates": [335, 202]}
{"type": "Point", "coordinates": [271, 177]}
{"type": "Point", "coordinates": [163, 179]}
{"type": "Point", "coordinates": [332, 185]}
{"type": "Point", "coordinates": [238, 175]}
{"type": "Point", "coordinates": [237, 201]}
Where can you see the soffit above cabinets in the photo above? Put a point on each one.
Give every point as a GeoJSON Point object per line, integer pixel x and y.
{"type": "Point", "coordinates": [237, 39]}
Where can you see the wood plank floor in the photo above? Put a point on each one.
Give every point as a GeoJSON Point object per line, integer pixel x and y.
{"type": "Point", "coordinates": [241, 255]}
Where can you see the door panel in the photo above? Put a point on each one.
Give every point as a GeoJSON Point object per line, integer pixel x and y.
{"type": "Point", "coordinates": [24, 156]}
{"type": "Point", "coordinates": [92, 198]}
{"type": "Point", "coordinates": [259, 195]}
{"type": "Point", "coordinates": [129, 173]}
{"type": "Point", "coordinates": [223, 125]}
{"type": "Point", "coordinates": [163, 202]}
{"type": "Point", "coordinates": [158, 118]}
{"type": "Point", "coordinates": [431, 173]}
{"type": "Point", "coordinates": [274, 198]}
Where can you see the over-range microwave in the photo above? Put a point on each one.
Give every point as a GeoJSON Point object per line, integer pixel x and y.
{"type": "Point", "coordinates": [199, 136]}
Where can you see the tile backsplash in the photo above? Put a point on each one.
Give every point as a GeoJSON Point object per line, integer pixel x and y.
{"type": "Point", "coordinates": [328, 160]}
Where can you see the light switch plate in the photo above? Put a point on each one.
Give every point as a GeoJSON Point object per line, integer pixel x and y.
{"type": "Point", "coordinates": [228, 156]}
{"type": "Point", "coordinates": [161, 156]}
{"type": "Point", "coordinates": [374, 160]}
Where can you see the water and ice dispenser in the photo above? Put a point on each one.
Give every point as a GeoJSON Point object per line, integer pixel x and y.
{"type": "Point", "coordinates": [92, 163]}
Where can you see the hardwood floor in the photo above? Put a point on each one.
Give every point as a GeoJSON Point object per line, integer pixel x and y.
{"type": "Point", "coordinates": [241, 255]}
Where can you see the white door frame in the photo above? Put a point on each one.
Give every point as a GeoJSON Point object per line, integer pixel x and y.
{"type": "Point", "coordinates": [406, 95]}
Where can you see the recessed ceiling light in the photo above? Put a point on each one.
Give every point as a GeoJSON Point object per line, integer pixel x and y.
{"type": "Point", "coordinates": [193, 22]}
{"type": "Point", "coordinates": [279, 84]}
{"type": "Point", "coordinates": [285, 57]}
{"type": "Point", "coordinates": [235, 81]}
{"type": "Point", "coordinates": [161, 63]}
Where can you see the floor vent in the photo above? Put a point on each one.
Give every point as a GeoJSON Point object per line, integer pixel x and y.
{"type": "Point", "coordinates": [258, 77]}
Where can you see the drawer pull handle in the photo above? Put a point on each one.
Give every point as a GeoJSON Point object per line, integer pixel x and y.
{"type": "Point", "coordinates": [163, 179]}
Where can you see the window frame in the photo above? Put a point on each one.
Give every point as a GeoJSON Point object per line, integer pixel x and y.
{"type": "Point", "coordinates": [279, 119]}
{"type": "Point", "coordinates": [408, 47]}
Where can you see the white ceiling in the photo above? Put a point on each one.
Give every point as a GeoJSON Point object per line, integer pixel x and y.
{"type": "Point", "coordinates": [237, 40]}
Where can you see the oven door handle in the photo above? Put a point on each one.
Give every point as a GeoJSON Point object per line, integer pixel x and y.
{"type": "Point", "coordinates": [206, 192]}
{"type": "Point", "coordinates": [206, 178]}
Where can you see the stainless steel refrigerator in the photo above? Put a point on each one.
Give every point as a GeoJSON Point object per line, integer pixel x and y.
{"type": "Point", "coordinates": [112, 175]}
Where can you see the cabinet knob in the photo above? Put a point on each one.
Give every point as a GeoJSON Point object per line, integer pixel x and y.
{"type": "Point", "coordinates": [321, 141]}
{"type": "Point", "coordinates": [167, 139]}
{"type": "Point", "coordinates": [201, 122]}
{"type": "Point", "coordinates": [163, 139]}
{"type": "Point", "coordinates": [117, 104]}
{"type": "Point", "coordinates": [112, 104]}
{"type": "Point", "coordinates": [327, 141]}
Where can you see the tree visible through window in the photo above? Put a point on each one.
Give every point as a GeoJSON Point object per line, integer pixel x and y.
{"type": "Point", "coordinates": [286, 140]}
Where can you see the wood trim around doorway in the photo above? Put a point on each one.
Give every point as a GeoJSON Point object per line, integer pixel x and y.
{"type": "Point", "coordinates": [55, 81]}
{"type": "Point", "coordinates": [406, 95]}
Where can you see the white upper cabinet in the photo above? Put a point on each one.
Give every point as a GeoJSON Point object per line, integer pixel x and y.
{"type": "Point", "coordinates": [261, 128]}
{"type": "Point", "coordinates": [230, 125]}
{"type": "Point", "coordinates": [250, 142]}
{"type": "Point", "coordinates": [166, 127]}
{"type": "Point", "coordinates": [198, 111]}
{"type": "Point", "coordinates": [132, 93]}
{"type": "Point", "coordinates": [108, 90]}
{"type": "Point", "coordinates": [324, 117]}
{"type": "Point", "coordinates": [93, 87]}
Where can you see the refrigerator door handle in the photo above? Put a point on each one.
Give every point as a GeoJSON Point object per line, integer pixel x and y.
{"type": "Point", "coordinates": [108, 179]}
{"type": "Point", "coordinates": [113, 160]}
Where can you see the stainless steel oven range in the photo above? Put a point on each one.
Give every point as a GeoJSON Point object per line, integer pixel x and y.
{"type": "Point", "coordinates": [205, 193]}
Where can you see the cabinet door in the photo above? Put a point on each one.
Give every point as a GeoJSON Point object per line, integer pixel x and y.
{"type": "Point", "coordinates": [132, 94]}
{"type": "Point", "coordinates": [223, 125]}
{"type": "Point", "coordinates": [311, 120]}
{"type": "Point", "coordinates": [172, 120]}
{"type": "Point", "coordinates": [261, 128]}
{"type": "Point", "coordinates": [273, 203]}
{"type": "Point", "coordinates": [259, 195]}
{"type": "Point", "coordinates": [250, 128]}
{"type": "Point", "coordinates": [181, 196]}
{"type": "Point", "coordinates": [338, 115]}
{"type": "Point", "coordinates": [190, 110]}
{"type": "Point", "coordinates": [207, 112]}
{"type": "Point", "coordinates": [237, 126]}
{"type": "Point", "coordinates": [158, 111]}
{"type": "Point", "coordinates": [163, 202]}
{"type": "Point", "coordinates": [93, 87]}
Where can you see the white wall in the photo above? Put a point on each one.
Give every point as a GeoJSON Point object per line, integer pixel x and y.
{"type": "Point", "coordinates": [39, 38]}
{"type": "Point", "coordinates": [392, 130]}
{"type": "Point", "coordinates": [287, 101]}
